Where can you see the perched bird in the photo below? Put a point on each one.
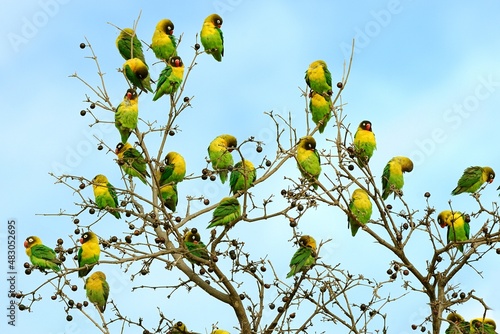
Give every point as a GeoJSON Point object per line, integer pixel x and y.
{"type": "Point", "coordinates": [40, 255]}
{"type": "Point", "coordinates": [105, 194]}
{"type": "Point", "coordinates": [129, 45]}
{"type": "Point", "coordinates": [174, 169]}
{"type": "Point", "coordinates": [97, 290]}
{"type": "Point", "coordinates": [457, 324]}
{"type": "Point", "coordinates": [168, 195]}
{"type": "Point", "coordinates": [226, 213]}
{"type": "Point", "coordinates": [364, 142]}
{"type": "Point", "coordinates": [170, 78]}
{"type": "Point", "coordinates": [211, 36]}
{"type": "Point", "coordinates": [243, 176]}
{"type": "Point", "coordinates": [308, 159]}
{"type": "Point", "coordinates": [89, 252]}
{"type": "Point", "coordinates": [163, 43]}
{"type": "Point", "coordinates": [320, 107]}
{"type": "Point", "coordinates": [319, 78]}
{"type": "Point", "coordinates": [131, 161]}
{"type": "Point", "coordinates": [220, 331]}
{"type": "Point", "coordinates": [219, 152]}
{"type": "Point", "coordinates": [483, 326]}
{"type": "Point", "coordinates": [127, 114]}
{"type": "Point", "coordinates": [137, 73]}
{"type": "Point", "coordinates": [360, 208]}
{"type": "Point", "coordinates": [305, 257]}
{"type": "Point", "coordinates": [178, 328]}
{"type": "Point", "coordinates": [473, 178]}
{"type": "Point", "coordinates": [195, 246]}
{"type": "Point", "coordinates": [392, 178]}
{"type": "Point", "coordinates": [458, 227]}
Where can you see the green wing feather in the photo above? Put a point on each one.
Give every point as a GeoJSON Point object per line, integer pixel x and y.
{"type": "Point", "coordinates": [136, 164]}
{"type": "Point", "coordinates": [227, 212]}
{"type": "Point", "coordinates": [470, 181]}
{"type": "Point", "coordinates": [301, 260]}
{"type": "Point", "coordinates": [44, 258]}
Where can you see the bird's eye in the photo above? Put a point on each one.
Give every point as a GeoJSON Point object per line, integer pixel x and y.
{"type": "Point", "coordinates": [179, 323]}
{"type": "Point", "coordinates": [492, 176]}
{"type": "Point", "coordinates": [30, 240]}
{"type": "Point", "coordinates": [85, 236]}
{"type": "Point", "coordinates": [219, 22]}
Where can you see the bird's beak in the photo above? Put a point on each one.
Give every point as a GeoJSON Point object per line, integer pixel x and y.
{"type": "Point", "coordinates": [177, 62]}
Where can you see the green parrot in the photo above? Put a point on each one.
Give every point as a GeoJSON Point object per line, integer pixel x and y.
{"type": "Point", "coordinates": [195, 246]}
{"type": "Point", "coordinates": [457, 324]}
{"type": "Point", "coordinates": [308, 159]}
{"type": "Point", "coordinates": [483, 326]}
{"type": "Point", "coordinates": [320, 107]}
{"type": "Point", "coordinates": [319, 78]}
{"type": "Point", "coordinates": [170, 78]}
{"type": "Point", "coordinates": [364, 142]}
{"type": "Point", "coordinates": [392, 178]}
{"type": "Point", "coordinates": [129, 45]}
{"type": "Point", "coordinates": [40, 255]}
{"type": "Point", "coordinates": [473, 178]}
{"type": "Point", "coordinates": [243, 176]}
{"type": "Point", "coordinates": [219, 152]}
{"type": "Point", "coordinates": [169, 196]}
{"type": "Point", "coordinates": [163, 43]}
{"type": "Point", "coordinates": [174, 169]}
{"type": "Point", "coordinates": [211, 36]}
{"type": "Point", "coordinates": [105, 194]}
{"type": "Point", "coordinates": [360, 208]}
{"type": "Point", "coordinates": [131, 161]}
{"type": "Point", "coordinates": [137, 73]}
{"type": "Point", "coordinates": [97, 290]}
{"type": "Point", "coordinates": [458, 227]}
{"type": "Point", "coordinates": [305, 257]}
{"type": "Point", "coordinates": [127, 114]}
{"type": "Point", "coordinates": [88, 254]}
{"type": "Point", "coordinates": [226, 213]}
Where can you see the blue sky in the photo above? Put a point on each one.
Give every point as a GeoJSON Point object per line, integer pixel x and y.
{"type": "Point", "coordinates": [426, 75]}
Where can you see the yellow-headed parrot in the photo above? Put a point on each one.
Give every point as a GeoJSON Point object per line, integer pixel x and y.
{"type": "Point", "coordinates": [105, 194]}
{"type": "Point", "coordinates": [40, 255]}
{"type": "Point", "coordinates": [163, 42]}
{"type": "Point", "coordinates": [392, 178]}
{"type": "Point", "coordinates": [211, 36]}
{"type": "Point", "coordinates": [88, 254]}
{"type": "Point", "coordinates": [308, 159]}
{"type": "Point", "coordinates": [97, 290]}
{"type": "Point", "coordinates": [131, 161]}
{"type": "Point", "coordinates": [127, 114]}
{"type": "Point", "coordinates": [458, 227]}
{"type": "Point", "coordinates": [219, 152]}
{"type": "Point", "coordinates": [473, 178]}
{"type": "Point", "coordinates": [305, 257]}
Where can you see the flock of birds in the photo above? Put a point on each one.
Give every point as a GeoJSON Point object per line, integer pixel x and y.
{"type": "Point", "coordinates": [242, 174]}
